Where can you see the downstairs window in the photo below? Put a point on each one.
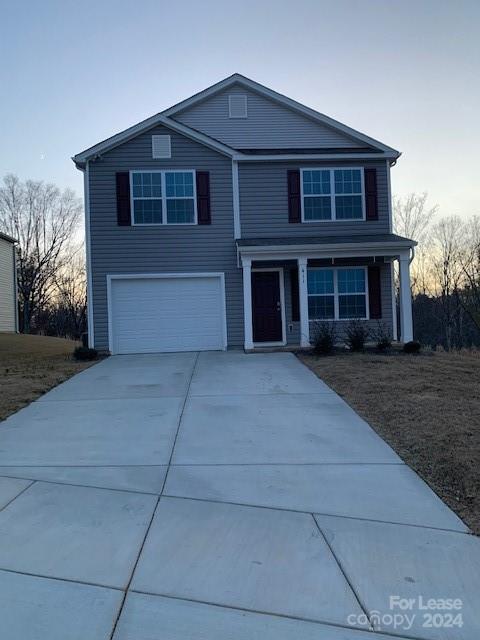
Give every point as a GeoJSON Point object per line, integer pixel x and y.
{"type": "Point", "coordinates": [337, 294]}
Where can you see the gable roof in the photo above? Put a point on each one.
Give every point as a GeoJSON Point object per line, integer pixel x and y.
{"type": "Point", "coordinates": [3, 236]}
{"type": "Point", "coordinates": [238, 79]}
{"type": "Point", "coordinates": [165, 118]}
{"type": "Point", "coordinates": [145, 125]}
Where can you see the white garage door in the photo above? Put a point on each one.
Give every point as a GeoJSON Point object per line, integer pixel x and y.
{"type": "Point", "coordinates": [166, 313]}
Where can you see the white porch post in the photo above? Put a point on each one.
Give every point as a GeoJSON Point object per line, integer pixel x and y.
{"type": "Point", "coordinates": [247, 303]}
{"type": "Point", "coordinates": [406, 323]}
{"type": "Point", "coordinates": [303, 295]}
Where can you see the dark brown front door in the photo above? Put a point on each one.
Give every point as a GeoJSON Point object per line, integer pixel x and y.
{"type": "Point", "coordinates": [266, 306]}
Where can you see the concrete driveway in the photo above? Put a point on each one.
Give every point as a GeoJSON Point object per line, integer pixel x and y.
{"type": "Point", "coordinates": [219, 495]}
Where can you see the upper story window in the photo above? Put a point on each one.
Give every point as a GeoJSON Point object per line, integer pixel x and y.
{"type": "Point", "coordinates": [332, 194]}
{"type": "Point", "coordinates": [163, 197]}
{"type": "Point", "coordinates": [337, 294]}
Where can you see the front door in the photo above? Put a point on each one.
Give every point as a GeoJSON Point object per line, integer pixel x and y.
{"type": "Point", "coordinates": [266, 306]}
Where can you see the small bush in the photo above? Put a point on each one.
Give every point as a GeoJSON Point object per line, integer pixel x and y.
{"type": "Point", "coordinates": [324, 338]}
{"type": "Point", "coordinates": [356, 335]}
{"type": "Point", "coordinates": [412, 347]}
{"type": "Point", "coordinates": [382, 336]}
{"type": "Point", "coordinates": [84, 353]}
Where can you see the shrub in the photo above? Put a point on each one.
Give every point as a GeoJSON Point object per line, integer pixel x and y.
{"type": "Point", "coordinates": [412, 347]}
{"type": "Point", "coordinates": [84, 353]}
{"type": "Point", "coordinates": [356, 335]}
{"type": "Point", "coordinates": [324, 338]}
{"type": "Point", "coordinates": [382, 336]}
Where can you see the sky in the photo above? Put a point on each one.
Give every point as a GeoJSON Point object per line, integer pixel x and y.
{"type": "Point", "coordinates": [406, 73]}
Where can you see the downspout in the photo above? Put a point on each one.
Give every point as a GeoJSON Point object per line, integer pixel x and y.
{"type": "Point", "coordinates": [15, 287]}
{"type": "Point", "coordinates": [86, 192]}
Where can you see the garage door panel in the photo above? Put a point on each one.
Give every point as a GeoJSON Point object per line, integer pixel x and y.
{"type": "Point", "coordinates": [167, 314]}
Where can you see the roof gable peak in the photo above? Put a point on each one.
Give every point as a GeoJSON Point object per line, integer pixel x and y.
{"type": "Point", "coordinates": [293, 105]}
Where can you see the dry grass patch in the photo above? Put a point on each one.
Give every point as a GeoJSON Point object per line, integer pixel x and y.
{"type": "Point", "coordinates": [427, 407]}
{"type": "Point", "coordinates": [30, 366]}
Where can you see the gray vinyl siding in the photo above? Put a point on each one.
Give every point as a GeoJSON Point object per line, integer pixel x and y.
{"type": "Point", "coordinates": [160, 249]}
{"type": "Point", "coordinates": [7, 287]}
{"type": "Point", "coordinates": [264, 202]}
{"type": "Point", "coordinates": [268, 124]}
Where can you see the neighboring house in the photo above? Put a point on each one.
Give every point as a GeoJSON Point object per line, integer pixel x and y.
{"type": "Point", "coordinates": [238, 217]}
{"type": "Point", "coordinates": [8, 285]}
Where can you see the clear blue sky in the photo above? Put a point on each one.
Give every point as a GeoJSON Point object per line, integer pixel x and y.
{"type": "Point", "coordinates": [74, 72]}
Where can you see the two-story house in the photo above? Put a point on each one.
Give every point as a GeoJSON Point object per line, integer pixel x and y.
{"type": "Point", "coordinates": [238, 218]}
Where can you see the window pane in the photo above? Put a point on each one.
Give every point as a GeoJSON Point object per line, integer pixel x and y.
{"type": "Point", "coordinates": [316, 182]}
{"type": "Point", "coordinates": [351, 307]}
{"type": "Point", "coordinates": [147, 211]}
{"type": "Point", "coordinates": [321, 307]}
{"type": "Point", "coordinates": [348, 207]}
{"type": "Point", "coordinates": [351, 281]}
{"type": "Point", "coordinates": [179, 184]}
{"type": "Point", "coordinates": [320, 281]}
{"type": "Point", "coordinates": [348, 181]}
{"type": "Point", "coordinates": [147, 185]}
{"type": "Point", "coordinates": [317, 208]}
{"type": "Point", "coordinates": [180, 211]}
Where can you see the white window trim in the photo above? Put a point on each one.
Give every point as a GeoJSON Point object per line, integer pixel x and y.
{"type": "Point", "coordinates": [332, 194]}
{"type": "Point", "coordinates": [164, 199]}
{"type": "Point", "coordinates": [336, 294]}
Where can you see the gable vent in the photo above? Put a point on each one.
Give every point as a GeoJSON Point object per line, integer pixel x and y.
{"type": "Point", "coordinates": [161, 147]}
{"type": "Point", "coordinates": [237, 105]}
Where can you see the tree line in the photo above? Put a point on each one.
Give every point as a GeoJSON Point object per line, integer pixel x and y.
{"type": "Point", "coordinates": [50, 259]}
{"type": "Point", "coordinates": [445, 272]}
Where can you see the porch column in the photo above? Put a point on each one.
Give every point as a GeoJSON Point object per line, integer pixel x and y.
{"type": "Point", "coordinates": [303, 296]}
{"type": "Point", "coordinates": [406, 324]}
{"type": "Point", "coordinates": [247, 303]}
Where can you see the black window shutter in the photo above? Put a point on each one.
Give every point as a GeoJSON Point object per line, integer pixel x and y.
{"type": "Point", "coordinates": [124, 218]}
{"type": "Point", "coordinates": [371, 200]}
{"type": "Point", "coordinates": [203, 197]}
{"type": "Point", "coordinates": [374, 292]}
{"type": "Point", "coordinates": [295, 301]}
{"type": "Point", "coordinates": [294, 204]}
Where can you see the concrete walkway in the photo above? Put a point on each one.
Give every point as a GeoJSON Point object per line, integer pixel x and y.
{"type": "Point", "coordinates": [219, 496]}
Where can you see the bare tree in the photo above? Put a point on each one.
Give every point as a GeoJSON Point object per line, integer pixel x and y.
{"type": "Point", "coordinates": [469, 293]}
{"type": "Point", "coordinates": [447, 252]}
{"type": "Point", "coordinates": [412, 219]}
{"type": "Point", "coordinates": [43, 219]}
{"type": "Point", "coordinates": [71, 297]}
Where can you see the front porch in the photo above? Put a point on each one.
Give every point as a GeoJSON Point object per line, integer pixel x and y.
{"type": "Point", "coordinates": [291, 283]}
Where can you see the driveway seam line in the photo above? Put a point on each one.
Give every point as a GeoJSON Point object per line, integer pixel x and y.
{"type": "Point", "coordinates": [84, 486]}
{"type": "Point", "coordinates": [122, 604]}
{"type": "Point", "coordinates": [345, 575]}
{"type": "Point", "coordinates": [18, 494]}
{"type": "Point", "coordinates": [43, 576]}
{"type": "Point", "coordinates": [318, 513]}
{"type": "Point", "coordinates": [286, 464]}
{"type": "Point", "coordinates": [256, 611]}
{"type": "Point", "coordinates": [79, 466]}
{"type": "Point", "coordinates": [357, 630]}
{"type": "Point", "coordinates": [152, 397]}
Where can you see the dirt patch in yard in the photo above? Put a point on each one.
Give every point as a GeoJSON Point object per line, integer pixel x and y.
{"type": "Point", "coordinates": [30, 366]}
{"type": "Point", "coordinates": [427, 407]}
